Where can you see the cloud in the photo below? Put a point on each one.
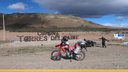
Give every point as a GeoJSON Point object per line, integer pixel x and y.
{"type": "Point", "coordinates": [17, 6]}
{"type": "Point", "coordinates": [120, 19]}
{"type": "Point", "coordinates": [123, 25]}
{"type": "Point", "coordinates": [87, 8]}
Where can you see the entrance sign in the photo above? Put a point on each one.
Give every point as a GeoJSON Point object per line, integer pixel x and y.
{"type": "Point", "coordinates": [119, 36]}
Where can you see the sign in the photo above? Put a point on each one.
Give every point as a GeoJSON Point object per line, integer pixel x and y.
{"type": "Point", "coordinates": [43, 36]}
{"type": "Point", "coordinates": [119, 36]}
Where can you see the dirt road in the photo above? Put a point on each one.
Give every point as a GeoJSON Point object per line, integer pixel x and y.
{"type": "Point", "coordinates": [112, 57]}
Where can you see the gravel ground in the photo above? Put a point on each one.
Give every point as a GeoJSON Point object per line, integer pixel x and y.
{"type": "Point", "coordinates": [112, 57]}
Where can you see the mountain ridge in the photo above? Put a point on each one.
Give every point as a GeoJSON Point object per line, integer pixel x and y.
{"type": "Point", "coordinates": [45, 22]}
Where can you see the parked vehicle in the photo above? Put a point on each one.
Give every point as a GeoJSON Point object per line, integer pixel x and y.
{"type": "Point", "coordinates": [90, 43]}
{"type": "Point", "coordinates": [73, 52]}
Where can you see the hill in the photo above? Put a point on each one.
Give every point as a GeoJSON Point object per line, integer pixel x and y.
{"type": "Point", "coordinates": [48, 22]}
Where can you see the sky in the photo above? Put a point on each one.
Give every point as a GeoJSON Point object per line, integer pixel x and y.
{"type": "Point", "coordinates": [105, 12]}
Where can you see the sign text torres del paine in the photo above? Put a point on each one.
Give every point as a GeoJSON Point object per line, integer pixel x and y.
{"type": "Point", "coordinates": [44, 36]}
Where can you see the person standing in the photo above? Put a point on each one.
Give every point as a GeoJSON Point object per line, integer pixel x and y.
{"type": "Point", "coordinates": [103, 41]}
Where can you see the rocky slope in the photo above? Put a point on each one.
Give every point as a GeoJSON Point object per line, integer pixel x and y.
{"type": "Point", "coordinates": [47, 22]}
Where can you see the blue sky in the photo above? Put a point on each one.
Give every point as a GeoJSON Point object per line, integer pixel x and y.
{"type": "Point", "coordinates": [105, 12]}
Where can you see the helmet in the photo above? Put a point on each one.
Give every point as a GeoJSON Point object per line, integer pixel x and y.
{"type": "Point", "coordinates": [65, 38]}
{"type": "Point", "coordinates": [85, 40]}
